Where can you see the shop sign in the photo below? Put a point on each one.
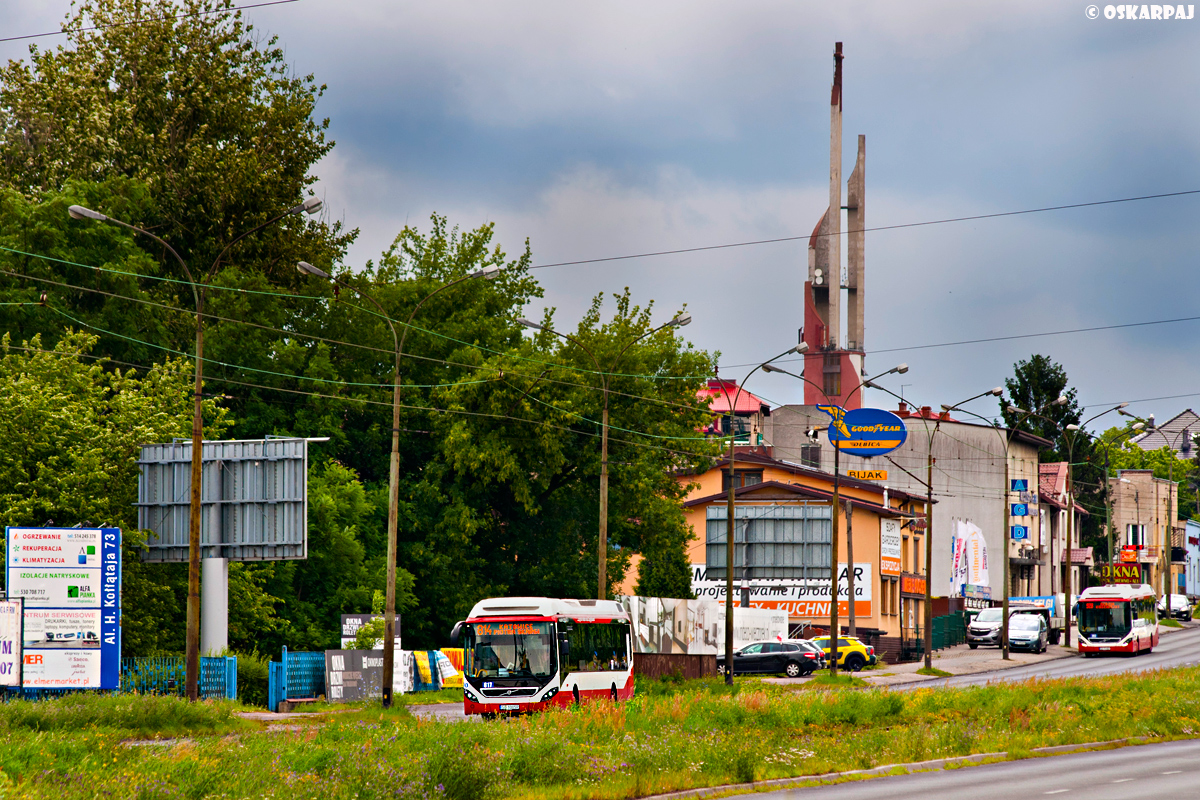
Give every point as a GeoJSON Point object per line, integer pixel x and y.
{"type": "Point", "coordinates": [912, 585]}
{"type": "Point", "coordinates": [1020, 485]}
{"type": "Point", "coordinates": [889, 547]}
{"type": "Point", "coordinates": [1020, 510]}
{"type": "Point", "coordinates": [1120, 573]}
{"type": "Point", "coordinates": [1129, 555]}
{"type": "Point", "coordinates": [864, 432]}
{"type": "Point", "coordinates": [868, 474]}
{"type": "Point", "coordinates": [10, 642]}
{"type": "Point", "coordinates": [1020, 533]}
{"type": "Point", "coordinates": [973, 592]}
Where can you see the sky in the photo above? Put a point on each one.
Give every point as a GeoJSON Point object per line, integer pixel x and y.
{"type": "Point", "coordinates": [617, 128]}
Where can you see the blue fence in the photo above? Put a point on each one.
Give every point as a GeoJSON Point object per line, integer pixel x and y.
{"type": "Point", "coordinates": [298, 676]}
{"type": "Point", "coordinates": [164, 675]}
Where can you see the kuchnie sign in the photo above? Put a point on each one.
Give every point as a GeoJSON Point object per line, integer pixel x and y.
{"type": "Point", "coordinates": [864, 432]}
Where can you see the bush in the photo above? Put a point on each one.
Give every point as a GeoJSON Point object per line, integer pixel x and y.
{"type": "Point", "coordinates": [252, 676]}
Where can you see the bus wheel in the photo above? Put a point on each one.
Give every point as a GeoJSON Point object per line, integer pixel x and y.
{"type": "Point", "coordinates": [614, 693]}
{"type": "Point", "coordinates": [575, 691]}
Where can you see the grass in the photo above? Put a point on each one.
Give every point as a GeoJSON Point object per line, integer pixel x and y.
{"type": "Point", "coordinates": [842, 681]}
{"type": "Point", "coordinates": [693, 734]}
{"type": "Point", "coordinates": [1170, 623]}
{"type": "Point", "coordinates": [126, 715]}
{"type": "Point", "coordinates": [935, 672]}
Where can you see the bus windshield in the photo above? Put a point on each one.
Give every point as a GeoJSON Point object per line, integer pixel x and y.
{"type": "Point", "coordinates": [1105, 618]}
{"type": "Point", "coordinates": [511, 649]}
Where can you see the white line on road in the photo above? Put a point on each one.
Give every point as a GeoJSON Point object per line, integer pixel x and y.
{"type": "Point", "coordinates": [1122, 780]}
{"type": "Point", "coordinates": [1173, 772]}
{"type": "Point", "coordinates": [1057, 791]}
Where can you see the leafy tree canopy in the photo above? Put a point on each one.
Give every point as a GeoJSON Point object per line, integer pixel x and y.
{"type": "Point", "coordinates": [1036, 383]}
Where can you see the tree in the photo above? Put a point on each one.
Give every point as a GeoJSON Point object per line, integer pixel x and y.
{"type": "Point", "coordinates": [1035, 384]}
{"type": "Point", "coordinates": [182, 97]}
{"type": "Point", "coordinates": [69, 436]}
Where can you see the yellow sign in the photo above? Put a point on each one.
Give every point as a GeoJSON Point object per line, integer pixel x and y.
{"type": "Point", "coordinates": [868, 474]}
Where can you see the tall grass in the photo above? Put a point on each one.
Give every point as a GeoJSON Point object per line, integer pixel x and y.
{"type": "Point", "coordinates": [700, 735]}
{"type": "Point", "coordinates": [128, 714]}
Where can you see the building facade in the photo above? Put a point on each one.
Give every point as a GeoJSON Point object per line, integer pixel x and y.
{"type": "Point", "coordinates": [1145, 525]}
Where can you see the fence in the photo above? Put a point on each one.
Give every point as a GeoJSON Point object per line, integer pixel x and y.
{"type": "Point", "coordinates": [162, 675]}
{"type": "Point", "coordinates": [298, 676]}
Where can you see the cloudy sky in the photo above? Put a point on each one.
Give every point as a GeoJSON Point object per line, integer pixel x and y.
{"type": "Point", "coordinates": [614, 128]}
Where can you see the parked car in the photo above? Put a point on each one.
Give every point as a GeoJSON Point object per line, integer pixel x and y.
{"type": "Point", "coordinates": [1028, 632]}
{"type": "Point", "coordinates": [1180, 607]}
{"type": "Point", "coordinates": [791, 657]}
{"type": "Point", "coordinates": [852, 653]}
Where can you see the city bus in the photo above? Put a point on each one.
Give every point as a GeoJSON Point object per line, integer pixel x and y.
{"type": "Point", "coordinates": [523, 654]}
{"type": "Point", "coordinates": [1118, 619]}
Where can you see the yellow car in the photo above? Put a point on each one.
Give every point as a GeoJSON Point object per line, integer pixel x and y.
{"type": "Point", "coordinates": [852, 654]}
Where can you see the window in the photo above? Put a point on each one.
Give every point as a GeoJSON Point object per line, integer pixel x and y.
{"type": "Point", "coordinates": [1135, 535]}
{"type": "Point", "coordinates": [596, 647]}
{"type": "Point", "coordinates": [810, 455]}
{"type": "Point", "coordinates": [904, 556]}
{"type": "Point", "coordinates": [750, 649]}
{"type": "Point", "coordinates": [772, 647]}
{"type": "Point", "coordinates": [741, 477]}
{"type": "Point", "coordinates": [832, 374]}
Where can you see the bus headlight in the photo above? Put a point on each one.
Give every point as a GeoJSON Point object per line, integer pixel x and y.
{"type": "Point", "coordinates": [469, 694]}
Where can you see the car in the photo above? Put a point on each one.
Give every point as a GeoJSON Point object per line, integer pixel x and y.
{"type": "Point", "coordinates": [791, 657]}
{"type": "Point", "coordinates": [1180, 607]}
{"type": "Point", "coordinates": [852, 653]}
{"type": "Point", "coordinates": [1028, 632]}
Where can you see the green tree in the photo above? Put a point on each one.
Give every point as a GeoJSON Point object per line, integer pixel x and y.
{"type": "Point", "coordinates": [1035, 385]}
{"type": "Point", "coordinates": [69, 437]}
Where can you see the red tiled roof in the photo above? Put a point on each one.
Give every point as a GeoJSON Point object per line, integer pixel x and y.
{"type": "Point", "coordinates": [1080, 556]}
{"type": "Point", "coordinates": [746, 403]}
{"type": "Point", "coordinates": [1052, 480]}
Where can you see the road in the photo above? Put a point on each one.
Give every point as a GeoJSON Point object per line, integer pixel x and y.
{"type": "Point", "coordinates": [1176, 649]}
{"type": "Point", "coordinates": [1168, 770]}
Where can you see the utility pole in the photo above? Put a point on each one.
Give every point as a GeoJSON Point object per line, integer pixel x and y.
{"type": "Point", "coordinates": [850, 613]}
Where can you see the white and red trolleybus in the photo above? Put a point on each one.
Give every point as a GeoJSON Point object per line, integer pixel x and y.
{"type": "Point", "coordinates": [1118, 619]}
{"type": "Point", "coordinates": [522, 654]}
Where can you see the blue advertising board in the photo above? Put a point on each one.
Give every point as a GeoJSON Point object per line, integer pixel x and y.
{"type": "Point", "coordinates": [70, 582]}
{"type": "Point", "coordinates": [1020, 510]}
{"type": "Point", "coordinates": [1020, 532]}
{"type": "Point", "coordinates": [1020, 485]}
{"type": "Point", "coordinates": [864, 432]}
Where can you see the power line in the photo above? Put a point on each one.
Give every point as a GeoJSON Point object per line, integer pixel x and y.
{"type": "Point", "coordinates": [867, 230]}
{"type": "Point", "coordinates": [146, 21]}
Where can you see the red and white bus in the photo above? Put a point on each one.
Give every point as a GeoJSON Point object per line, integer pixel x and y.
{"type": "Point", "coordinates": [523, 654]}
{"type": "Point", "coordinates": [1118, 619]}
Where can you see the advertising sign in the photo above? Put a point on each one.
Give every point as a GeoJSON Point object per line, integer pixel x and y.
{"type": "Point", "coordinates": [864, 432]}
{"type": "Point", "coordinates": [352, 622]}
{"type": "Point", "coordinates": [968, 561]}
{"type": "Point", "coordinates": [889, 547]}
{"type": "Point", "coordinates": [10, 642]}
{"type": "Point", "coordinates": [1020, 532]}
{"type": "Point", "coordinates": [1129, 555]}
{"type": "Point", "coordinates": [804, 598]}
{"type": "Point", "coordinates": [1020, 510]}
{"type": "Point", "coordinates": [70, 581]}
{"type": "Point", "coordinates": [352, 675]}
{"type": "Point", "coordinates": [868, 474]}
{"type": "Point", "coordinates": [1020, 484]}
{"type": "Point", "coordinates": [1120, 573]}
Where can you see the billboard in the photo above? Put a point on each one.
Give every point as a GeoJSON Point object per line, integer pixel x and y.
{"type": "Point", "coordinates": [696, 627]}
{"type": "Point", "coordinates": [253, 496]}
{"type": "Point", "coordinates": [10, 642]}
{"type": "Point", "coordinates": [805, 598]}
{"type": "Point", "coordinates": [969, 557]}
{"type": "Point", "coordinates": [352, 622]}
{"type": "Point", "coordinates": [352, 675]}
{"type": "Point", "coordinates": [70, 582]}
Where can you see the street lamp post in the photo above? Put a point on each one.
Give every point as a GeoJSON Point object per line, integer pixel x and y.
{"type": "Point", "coordinates": [310, 206]}
{"type": "Point", "coordinates": [389, 611]}
{"type": "Point", "coordinates": [1006, 443]}
{"type": "Point", "coordinates": [1107, 494]}
{"type": "Point", "coordinates": [602, 547]}
{"type": "Point", "coordinates": [834, 627]}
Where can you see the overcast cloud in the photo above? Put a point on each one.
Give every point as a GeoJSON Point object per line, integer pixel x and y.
{"type": "Point", "coordinates": [611, 128]}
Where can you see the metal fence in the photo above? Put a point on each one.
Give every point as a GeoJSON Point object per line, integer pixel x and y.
{"type": "Point", "coordinates": [161, 675]}
{"type": "Point", "coordinates": [298, 676]}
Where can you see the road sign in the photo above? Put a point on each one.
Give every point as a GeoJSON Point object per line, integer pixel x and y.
{"type": "Point", "coordinates": [864, 432]}
{"type": "Point", "coordinates": [868, 474]}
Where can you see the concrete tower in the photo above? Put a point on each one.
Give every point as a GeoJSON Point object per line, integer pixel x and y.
{"type": "Point", "coordinates": [832, 364]}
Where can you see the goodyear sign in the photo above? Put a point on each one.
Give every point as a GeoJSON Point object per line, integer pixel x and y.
{"type": "Point", "coordinates": [864, 432]}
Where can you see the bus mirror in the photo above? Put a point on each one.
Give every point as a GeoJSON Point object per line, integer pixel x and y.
{"type": "Point", "coordinates": [456, 631]}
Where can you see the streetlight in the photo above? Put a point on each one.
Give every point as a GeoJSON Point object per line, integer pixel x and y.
{"type": "Point", "coordinates": [678, 322]}
{"type": "Point", "coordinates": [833, 548]}
{"type": "Point", "coordinates": [389, 612]}
{"type": "Point", "coordinates": [1107, 494]}
{"type": "Point", "coordinates": [310, 206]}
{"type": "Point", "coordinates": [1061, 400]}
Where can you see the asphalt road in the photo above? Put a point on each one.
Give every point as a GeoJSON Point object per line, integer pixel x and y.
{"type": "Point", "coordinates": [1168, 770]}
{"type": "Point", "coordinates": [1176, 649]}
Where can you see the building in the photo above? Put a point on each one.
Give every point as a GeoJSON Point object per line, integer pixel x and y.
{"type": "Point", "coordinates": [968, 487]}
{"type": "Point", "coordinates": [1192, 559]}
{"type": "Point", "coordinates": [783, 522]}
{"type": "Point", "coordinates": [1175, 433]}
{"type": "Point", "coordinates": [1146, 526]}
{"type": "Point", "coordinates": [748, 417]}
{"type": "Point", "coordinates": [1055, 524]}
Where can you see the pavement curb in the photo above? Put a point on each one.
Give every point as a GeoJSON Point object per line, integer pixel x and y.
{"type": "Point", "coordinates": [918, 766]}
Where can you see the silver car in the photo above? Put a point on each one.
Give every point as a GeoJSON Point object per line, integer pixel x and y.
{"type": "Point", "coordinates": [1027, 632]}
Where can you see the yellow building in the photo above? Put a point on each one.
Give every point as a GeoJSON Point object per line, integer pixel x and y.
{"type": "Point", "coordinates": [785, 510]}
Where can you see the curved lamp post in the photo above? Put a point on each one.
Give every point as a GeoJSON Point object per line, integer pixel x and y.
{"type": "Point", "coordinates": [1006, 440]}
{"type": "Point", "coordinates": [834, 628]}
{"type": "Point", "coordinates": [1107, 494]}
{"type": "Point", "coordinates": [389, 612]}
{"type": "Point", "coordinates": [310, 206]}
{"type": "Point", "coordinates": [678, 322]}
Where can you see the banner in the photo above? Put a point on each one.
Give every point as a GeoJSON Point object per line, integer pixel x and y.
{"type": "Point", "coordinates": [805, 598]}
{"type": "Point", "coordinates": [968, 562]}
{"type": "Point", "coordinates": [10, 642]}
{"type": "Point", "coordinates": [889, 547]}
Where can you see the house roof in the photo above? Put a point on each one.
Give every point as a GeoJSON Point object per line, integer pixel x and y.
{"type": "Point", "coordinates": [795, 469]}
{"type": "Point", "coordinates": [1080, 556]}
{"type": "Point", "coordinates": [796, 490]}
{"type": "Point", "coordinates": [1176, 432]}
{"type": "Point", "coordinates": [721, 392]}
{"type": "Point", "coordinates": [926, 413]}
{"type": "Point", "coordinates": [1052, 485]}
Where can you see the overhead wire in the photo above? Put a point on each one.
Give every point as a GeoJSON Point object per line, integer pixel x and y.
{"type": "Point", "coordinates": [146, 21]}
